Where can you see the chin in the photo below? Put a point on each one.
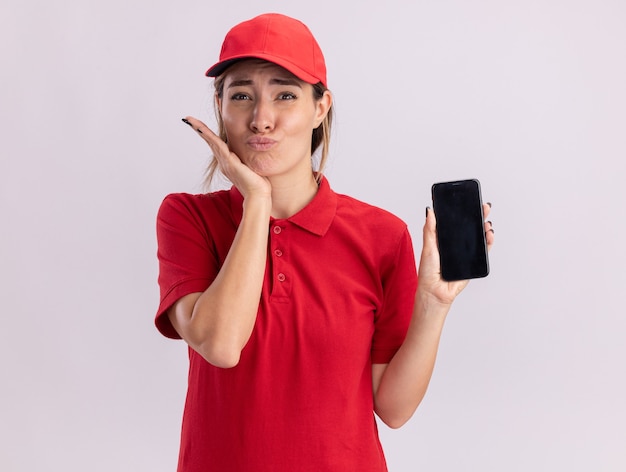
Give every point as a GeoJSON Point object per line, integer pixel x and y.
{"type": "Point", "coordinates": [262, 165]}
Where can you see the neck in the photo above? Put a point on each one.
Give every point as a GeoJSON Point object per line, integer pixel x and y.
{"type": "Point", "coordinates": [291, 196]}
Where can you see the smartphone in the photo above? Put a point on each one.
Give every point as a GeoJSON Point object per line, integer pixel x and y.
{"type": "Point", "coordinates": [460, 229]}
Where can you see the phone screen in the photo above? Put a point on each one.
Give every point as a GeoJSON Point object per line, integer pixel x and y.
{"type": "Point", "coordinates": [460, 229]}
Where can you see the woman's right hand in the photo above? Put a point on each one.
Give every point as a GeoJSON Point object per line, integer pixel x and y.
{"type": "Point", "coordinates": [218, 322]}
{"type": "Point", "coordinates": [248, 182]}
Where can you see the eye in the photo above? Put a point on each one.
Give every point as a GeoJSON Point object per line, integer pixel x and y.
{"type": "Point", "coordinates": [240, 96]}
{"type": "Point", "coordinates": [287, 96]}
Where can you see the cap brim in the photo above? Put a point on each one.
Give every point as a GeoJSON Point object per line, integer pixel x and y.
{"type": "Point", "coordinates": [219, 68]}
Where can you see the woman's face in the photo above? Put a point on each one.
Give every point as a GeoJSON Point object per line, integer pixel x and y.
{"type": "Point", "coordinates": [269, 116]}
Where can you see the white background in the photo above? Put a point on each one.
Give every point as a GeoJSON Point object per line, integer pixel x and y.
{"type": "Point", "coordinates": [528, 96]}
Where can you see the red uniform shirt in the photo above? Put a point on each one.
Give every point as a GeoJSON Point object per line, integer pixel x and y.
{"type": "Point", "coordinates": [337, 296]}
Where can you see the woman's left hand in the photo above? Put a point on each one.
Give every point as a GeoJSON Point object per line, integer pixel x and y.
{"type": "Point", "coordinates": [431, 284]}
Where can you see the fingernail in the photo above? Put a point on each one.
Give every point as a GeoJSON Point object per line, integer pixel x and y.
{"type": "Point", "coordinates": [186, 121]}
{"type": "Point", "coordinates": [427, 208]}
{"type": "Point", "coordinates": [490, 222]}
{"type": "Point", "coordinates": [489, 203]}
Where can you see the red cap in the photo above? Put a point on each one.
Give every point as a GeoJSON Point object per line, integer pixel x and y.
{"type": "Point", "coordinates": [276, 38]}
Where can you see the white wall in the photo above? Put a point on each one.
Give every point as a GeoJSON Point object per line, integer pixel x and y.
{"type": "Point", "coordinates": [528, 96]}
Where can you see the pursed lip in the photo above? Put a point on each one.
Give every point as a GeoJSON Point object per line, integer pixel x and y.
{"type": "Point", "coordinates": [259, 143]}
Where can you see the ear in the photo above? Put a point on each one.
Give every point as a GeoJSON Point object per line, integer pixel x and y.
{"type": "Point", "coordinates": [322, 106]}
{"type": "Point", "coordinates": [218, 102]}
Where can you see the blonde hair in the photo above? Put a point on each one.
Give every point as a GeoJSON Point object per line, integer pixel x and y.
{"type": "Point", "coordinates": [320, 137]}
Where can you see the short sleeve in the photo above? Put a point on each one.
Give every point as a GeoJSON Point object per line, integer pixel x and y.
{"type": "Point", "coordinates": [399, 281]}
{"type": "Point", "coordinates": [188, 262]}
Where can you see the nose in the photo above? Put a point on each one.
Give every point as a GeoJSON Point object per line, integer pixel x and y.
{"type": "Point", "coordinates": [262, 117]}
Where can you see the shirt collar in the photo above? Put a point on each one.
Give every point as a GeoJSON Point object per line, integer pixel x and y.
{"type": "Point", "coordinates": [316, 217]}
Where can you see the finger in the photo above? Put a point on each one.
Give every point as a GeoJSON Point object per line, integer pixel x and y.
{"type": "Point", "coordinates": [226, 160]}
{"type": "Point", "coordinates": [213, 140]}
{"type": "Point", "coordinates": [490, 237]}
{"type": "Point", "coordinates": [431, 221]}
{"type": "Point", "coordinates": [196, 124]}
{"type": "Point", "coordinates": [430, 231]}
{"type": "Point", "coordinates": [489, 231]}
{"type": "Point", "coordinates": [489, 234]}
{"type": "Point", "coordinates": [486, 209]}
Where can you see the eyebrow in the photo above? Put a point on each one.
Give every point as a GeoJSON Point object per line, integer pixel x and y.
{"type": "Point", "coordinates": [274, 81]}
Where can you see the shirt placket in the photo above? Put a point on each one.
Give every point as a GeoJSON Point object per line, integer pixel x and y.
{"type": "Point", "coordinates": [282, 272]}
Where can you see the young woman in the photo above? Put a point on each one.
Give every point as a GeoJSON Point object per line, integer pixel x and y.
{"type": "Point", "coordinates": [300, 306]}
